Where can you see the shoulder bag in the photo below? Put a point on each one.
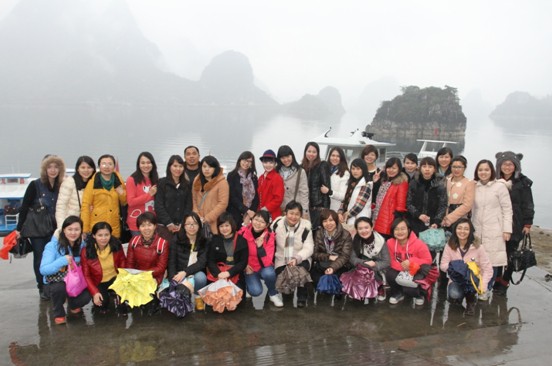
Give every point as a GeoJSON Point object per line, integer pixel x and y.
{"type": "Point", "coordinates": [522, 258]}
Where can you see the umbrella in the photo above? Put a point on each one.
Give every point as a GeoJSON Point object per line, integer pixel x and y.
{"type": "Point", "coordinates": [360, 283]}
{"type": "Point", "coordinates": [134, 286]}
{"type": "Point", "coordinates": [9, 242]}
{"type": "Point", "coordinates": [329, 284]}
{"type": "Point", "coordinates": [292, 277]}
{"type": "Point", "coordinates": [427, 282]}
{"type": "Point", "coordinates": [221, 295]}
{"type": "Point", "coordinates": [177, 299]}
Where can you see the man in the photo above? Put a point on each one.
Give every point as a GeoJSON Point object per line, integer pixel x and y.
{"type": "Point", "coordinates": [191, 169]}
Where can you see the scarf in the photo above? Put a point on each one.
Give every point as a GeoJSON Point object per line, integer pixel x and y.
{"type": "Point", "coordinates": [107, 184]}
{"type": "Point", "coordinates": [290, 241]}
{"type": "Point", "coordinates": [367, 246]}
{"type": "Point", "coordinates": [350, 188]}
{"type": "Point", "coordinates": [287, 172]}
{"type": "Point", "coordinates": [248, 188]}
{"type": "Point", "coordinates": [329, 243]}
{"type": "Point", "coordinates": [379, 199]}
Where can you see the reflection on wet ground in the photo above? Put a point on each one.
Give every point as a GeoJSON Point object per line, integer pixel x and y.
{"type": "Point", "coordinates": [511, 330]}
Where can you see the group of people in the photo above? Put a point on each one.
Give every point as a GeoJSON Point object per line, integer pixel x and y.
{"type": "Point", "coordinates": [317, 218]}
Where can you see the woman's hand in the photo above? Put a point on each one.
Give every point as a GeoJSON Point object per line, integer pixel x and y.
{"type": "Point", "coordinates": [179, 276]}
{"type": "Point", "coordinates": [424, 218]}
{"type": "Point", "coordinates": [376, 176]}
{"type": "Point", "coordinates": [329, 271]}
{"type": "Point", "coordinates": [248, 270]}
{"type": "Point", "coordinates": [445, 222]}
{"type": "Point", "coordinates": [324, 189]}
{"type": "Point", "coordinates": [153, 190]}
{"type": "Point", "coordinates": [370, 263]}
{"type": "Point", "coordinates": [506, 236]}
{"type": "Point", "coordinates": [405, 265]}
{"type": "Point", "coordinates": [69, 260]}
{"type": "Point", "coordinates": [120, 190]}
{"type": "Point", "coordinates": [292, 262]}
{"type": "Point", "coordinates": [434, 226]}
{"type": "Point", "coordinates": [98, 299]}
{"type": "Point", "coordinates": [333, 257]}
{"type": "Point", "coordinates": [526, 230]}
{"type": "Point", "coordinates": [223, 275]}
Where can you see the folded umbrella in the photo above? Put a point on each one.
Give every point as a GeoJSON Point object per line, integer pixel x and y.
{"type": "Point", "coordinates": [134, 286]}
{"type": "Point", "coordinates": [360, 283]}
{"type": "Point", "coordinates": [221, 295]}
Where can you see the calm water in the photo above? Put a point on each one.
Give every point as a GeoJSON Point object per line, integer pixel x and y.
{"type": "Point", "coordinates": [28, 134]}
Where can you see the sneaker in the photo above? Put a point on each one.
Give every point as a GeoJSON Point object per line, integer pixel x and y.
{"type": "Point", "coordinates": [381, 294]}
{"type": "Point", "coordinates": [199, 304]}
{"type": "Point", "coordinates": [393, 300]}
{"type": "Point", "coordinates": [60, 320]}
{"type": "Point", "coordinates": [484, 296]}
{"type": "Point", "coordinates": [276, 300]}
{"type": "Point", "coordinates": [419, 301]}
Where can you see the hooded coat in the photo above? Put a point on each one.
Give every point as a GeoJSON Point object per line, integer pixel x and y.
{"type": "Point", "coordinates": [394, 201]}
{"type": "Point", "coordinates": [211, 200]}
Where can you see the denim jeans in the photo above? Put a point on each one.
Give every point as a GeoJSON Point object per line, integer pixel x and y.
{"type": "Point", "coordinates": [254, 285]}
{"type": "Point", "coordinates": [38, 245]}
{"type": "Point", "coordinates": [200, 280]}
{"type": "Point", "coordinates": [455, 291]}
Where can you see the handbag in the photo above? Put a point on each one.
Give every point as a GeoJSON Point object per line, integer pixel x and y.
{"type": "Point", "coordinates": [405, 279]}
{"type": "Point", "coordinates": [434, 238]}
{"type": "Point", "coordinates": [38, 223]}
{"type": "Point", "coordinates": [222, 267]}
{"type": "Point", "coordinates": [21, 248]}
{"type": "Point", "coordinates": [522, 258]}
{"type": "Point", "coordinates": [75, 283]}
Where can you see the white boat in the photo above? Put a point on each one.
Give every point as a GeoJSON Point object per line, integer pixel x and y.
{"type": "Point", "coordinates": [352, 145]}
{"type": "Point", "coordinates": [12, 190]}
{"type": "Point", "coordinates": [430, 147]}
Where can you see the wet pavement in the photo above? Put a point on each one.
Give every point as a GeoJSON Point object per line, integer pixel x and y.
{"type": "Point", "coordinates": [505, 331]}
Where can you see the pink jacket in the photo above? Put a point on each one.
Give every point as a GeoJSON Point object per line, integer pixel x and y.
{"type": "Point", "coordinates": [139, 200]}
{"type": "Point", "coordinates": [415, 250]}
{"type": "Point", "coordinates": [477, 253]}
{"type": "Point", "coordinates": [264, 254]}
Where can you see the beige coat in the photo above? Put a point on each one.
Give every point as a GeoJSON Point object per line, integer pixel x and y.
{"type": "Point", "coordinates": [68, 202]}
{"type": "Point", "coordinates": [491, 217]}
{"type": "Point", "coordinates": [213, 201]}
{"type": "Point", "coordinates": [459, 193]}
{"type": "Point", "coordinates": [303, 190]}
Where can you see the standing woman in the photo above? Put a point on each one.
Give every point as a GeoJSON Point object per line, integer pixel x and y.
{"type": "Point", "coordinates": [141, 189]}
{"type": "Point", "coordinates": [444, 157]}
{"type": "Point", "coordinates": [296, 183]}
{"type": "Point", "coordinates": [210, 192]}
{"type": "Point", "coordinates": [391, 197]}
{"type": "Point", "coordinates": [318, 173]}
{"type": "Point", "coordinates": [42, 192]}
{"type": "Point", "coordinates": [173, 199]}
{"type": "Point", "coordinates": [243, 183]}
{"type": "Point", "coordinates": [101, 260]}
{"type": "Point", "coordinates": [370, 155]}
{"type": "Point", "coordinates": [58, 255]}
{"type": "Point", "coordinates": [358, 196]}
{"type": "Point", "coordinates": [69, 201]}
{"type": "Point", "coordinates": [339, 178]}
{"type": "Point", "coordinates": [271, 186]}
{"type": "Point", "coordinates": [508, 164]}
{"type": "Point", "coordinates": [427, 198]}
{"type": "Point", "coordinates": [103, 196]}
{"type": "Point", "coordinates": [460, 190]}
{"type": "Point", "coordinates": [492, 216]}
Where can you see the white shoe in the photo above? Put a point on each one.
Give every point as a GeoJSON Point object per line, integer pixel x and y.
{"type": "Point", "coordinates": [276, 300]}
{"type": "Point", "coordinates": [419, 301]}
{"type": "Point", "coordinates": [393, 300]}
{"type": "Point", "coordinates": [484, 296]}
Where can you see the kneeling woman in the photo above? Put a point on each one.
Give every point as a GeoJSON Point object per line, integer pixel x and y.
{"type": "Point", "coordinates": [58, 255]}
{"type": "Point", "coordinates": [227, 252]}
{"type": "Point", "coordinates": [260, 264]}
{"type": "Point", "coordinates": [408, 254]}
{"type": "Point", "coordinates": [463, 246]}
{"type": "Point", "coordinates": [101, 260]}
{"type": "Point", "coordinates": [294, 244]}
{"type": "Point", "coordinates": [332, 247]}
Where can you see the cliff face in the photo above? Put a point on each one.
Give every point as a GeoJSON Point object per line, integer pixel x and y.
{"type": "Point", "coordinates": [429, 113]}
{"type": "Point", "coordinates": [325, 105]}
{"type": "Point", "coordinates": [521, 108]}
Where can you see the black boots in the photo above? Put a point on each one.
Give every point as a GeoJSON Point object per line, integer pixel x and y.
{"type": "Point", "coordinates": [471, 300]}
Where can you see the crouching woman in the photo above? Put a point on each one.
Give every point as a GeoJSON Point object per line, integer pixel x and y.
{"type": "Point", "coordinates": [58, 255]}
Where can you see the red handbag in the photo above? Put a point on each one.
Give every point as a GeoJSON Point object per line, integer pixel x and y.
{"type": "Point", "coordinates": [224, 267]}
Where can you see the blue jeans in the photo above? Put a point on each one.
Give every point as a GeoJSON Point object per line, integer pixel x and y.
{"type": "Point", "coordinates": [200, 280]}
{"type": "Point", "coordinates": [492, 281]}
{"type": "Point", "coordinates": [254, 285]}
{"type": "Point", "coordinates": [38, 245]}
{"type": "Point", "coordinates": [455, 291]}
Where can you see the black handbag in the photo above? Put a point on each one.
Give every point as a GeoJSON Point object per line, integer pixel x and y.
{"type": "Point", "coordinates": [38, 223]}
{"type": "Point", "coordinates": [522, 258]}
{"type": "Point", "coordinates": [21, 248]}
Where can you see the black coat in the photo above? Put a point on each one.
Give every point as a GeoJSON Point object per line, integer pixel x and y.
{"type": "Point", "coordinates": [179, 255]}
{"type": "Point", "coordinates": [522, 206]}
{"type": "Point", "coordinates": [217, 253]}
{"type": "Point", "coordinates": [172, 203]}
{"type": "Point", "coordinates": [431, 202]}
{"type": "Point", "coordinates": [319, 176]}
{"type": "Point", "coordinates": [235, 204]}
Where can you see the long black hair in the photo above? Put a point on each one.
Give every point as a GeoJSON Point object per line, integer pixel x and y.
{"type": "Point", "coordinates": [285, 150]}
{"type": "Point", "coordinates": [213, 163]}
{"type": "Point", "coordinates": [305, 163]}
{"type": "Point", "coordinates": [388, 164]}
{"type": "Point", "coordinates": [64, 246]}
{"type": "Point", "coordinates": [454, 242]}
{"type": "Point", "coordinates": [182, 237]}
{"type": "Point", "coordinates": [178, 159]}
{"type": "Point", "coordinates": [342, 166]}
{"type": "Point", "coordinates": [138, 176]}
{"type": "Point", "coordinates": [114, 243]}
{"type": "Point", "coordinates": [359, 163]}
{"type": "Point", "coordinates": [79, 182]}
{"type": "Point", "coordinates": [244, 156]}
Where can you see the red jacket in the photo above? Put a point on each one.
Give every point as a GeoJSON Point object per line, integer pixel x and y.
{"type": "Point", "coordinates": [394, 200]}
{"type": "Point", "coordinates": [153, 258]}
{"type": "Point", "coordinates": [271, 193]}
{"type": "Point", "coordinates": [264, 254]}
{"type": "Point", "coordinates": [93, 272]}
{"type": "Point", "coordinates": [415, 250]}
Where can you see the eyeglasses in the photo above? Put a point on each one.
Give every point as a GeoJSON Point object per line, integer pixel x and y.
{"type": "Point", "coordinates": [458, 167]}
{"type": "Point", "coordinates": [191, 225]}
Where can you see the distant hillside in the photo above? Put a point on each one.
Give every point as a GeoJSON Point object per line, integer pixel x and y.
{"type": "Point", "coordinates": [371, 97]}
{"type": "Point", "coordinates": [325, 105]}
{"type": "Point", "coordinates": [523, 108]}
{"type": "Point", "coordinates": [421, 113]}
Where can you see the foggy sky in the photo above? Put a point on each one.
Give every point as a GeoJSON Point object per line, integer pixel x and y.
{"type": "Point", "coordinates": [298, 47]}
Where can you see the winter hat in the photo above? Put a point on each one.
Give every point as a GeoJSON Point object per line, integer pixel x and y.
{"type": "Point", "coordinates": [268, 155]}
{"type": "Point", "coordinates": [501, 157]}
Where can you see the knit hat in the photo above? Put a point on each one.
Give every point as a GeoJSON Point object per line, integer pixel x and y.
{"type": "Point", "coordinates": [501, 157]}
{"type": "Point", "coordinates": [268, 155]}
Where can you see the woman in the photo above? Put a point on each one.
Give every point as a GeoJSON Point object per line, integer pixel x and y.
{"type": "Point", "coordinates": [42, 192]}
{"type": "Point", "coordinates": [243, 184]}
{"type": "Point", "coordinates": [339, 178]}
{"type": "Point", "coordinates": [173, 199]}
{"type": "Point", "coordinates": [410, 166]}
{"type": "Point", "coordinates": [508, 164]}
{"type": "Point", "coordinates": [492, 216]}
{"type": "Point", "coordinates": [427, 198]}
{"type": "Point", "coordinates": [101, 260]}
{"type": "Point", "coordinates": [295, 179]}
{"type": "Point", "coordinates": [408, 254]}
{"type": "Point", "coordinates": [141, 188]}
{"type": "Point", "coordinates": [58, 254]}
{"type": "Point", "coordinates": [148, 251]}
{"type": "Point", "coordinates": [463, 246]}
{"type": "Point", "coordinates": [318, 173]}
{"type": "Point", "coordinates": [370, 251]}
{"type": "Point", "coordinates": [271, 186]}
{"type": "Point", "coordinates": [444, 157]}
{"type": "Point", "coordinates": [103, 196]}
{"type": "Point", "coordinates": [260, 265]}
{"type": "Point", "coordinates": [188, 255]}
{"type": "Point", "coordinates": [294, 244]}
{"type": "Point", "coordinates": [227, 253]}
{"type": "Point", "coordinates": [210, 192]}
{"type": "Point", "coordinates": [332, 247]}
{"type": "Point", "coordinates": [69, 200]}
{"type": "Point", "coordinates": [370, 155]}
{"type": "Point", "coordinates": [460, 190]}
{"type": "Point", "coordinates": [390, 197]}
{"type": "Point", "coordinates": [358, 196]}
